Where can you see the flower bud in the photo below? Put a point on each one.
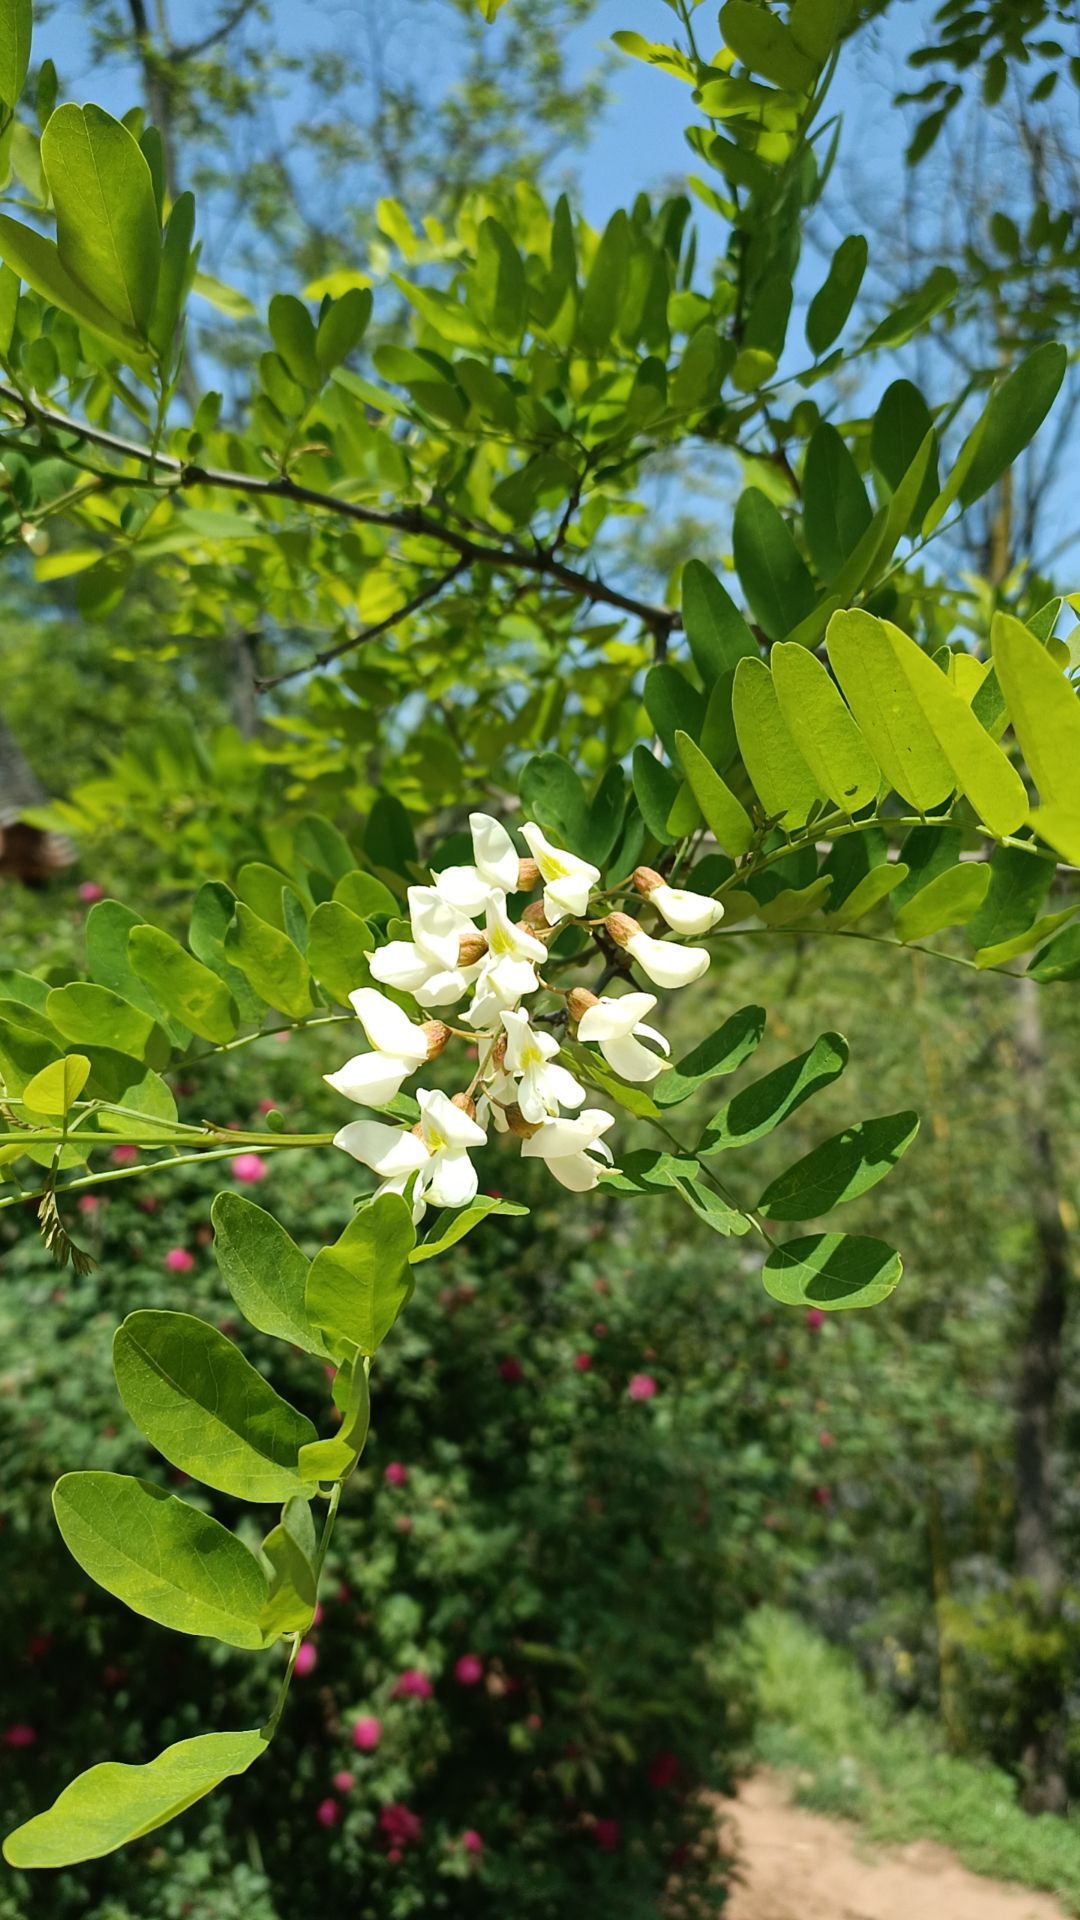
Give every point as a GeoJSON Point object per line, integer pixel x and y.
{"type": "Point", "coordinates": [517, 1123]}
{"type": "Point", "coordinates": [466, 1103]}
{"type": "Point", "coordinates": [498, 1051]}
{"type": "Point", "coordinates": [536, 920]}
{"type": "Point", "coordinates": [436, 1033]}
{"type": "Point", "coordinates": [578, 1002]}
{"type": "Point", "coordinates": [621, 928]}
{"type": "Point", "coordinates": [472, 947]}
{"type": "Point", "coordinates": [646, 880]}
{"type": "Point", "coordinates": [528, 876]}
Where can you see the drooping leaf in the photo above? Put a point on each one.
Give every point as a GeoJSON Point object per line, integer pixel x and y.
{"type": "Point", "coordinates": [716, 633]}
{"type": "Point", "coordinates": [823, 729]}
{"type": "Point", "coordinates": [264, 1270]}
{"type": "Point", "coordinates": [16, 29]}
{"type": "Point", "coordinates": [357, 1287]}
{"type": "Point", "coordinates": [774, 576]}
{"type": "Point", "coordinates": [781, 778]}
{"type": "Point", "coordinates": [889, 716]}
{"type": "Point", "coordinates": [833, 1271]}
{"type": "Point", "coordinates": [1014, 414]}
{"type": "Point", "coordinates": [269, 962]}
{"type": "Point", "coordinates": [1019, 884]}
{"type": "Point", "coordinates": [1043, 708]}
{"type": "Point", "coordinates": [182, 985]}
{"type": "Point", "coordinates": [763, 43]}
{"type": "Point", "coordinates": [840, 1169]}
{"type": "Point", "coordinates": [656, 792]}
{"type": "Point", "coordinates": [161, 1557]}
{"type": "Point", "coordinates": [206, 1408]}
{"type": "Point", "coordinates": [836, 511]}
{"type": "Point", "coordinates": [832, 303]}
{"type": "Point", "coordinates": [672, 705]}
{"type": "Point", "coordinates": [980, 769]}
{"type": "Point", "coordinates": [724, 815]}
{"type": "Point", "coordinates": [291, 1550]}
{"type": "Point", "coordinates": [766, 1102]}
{"type": "Point", "coordinates": [113, 1803]}
{"type": "Point", "coordinates": [950, 900]}
{"type": "Point", "coordinates": [37, 261]}
{"type": "Point", "coordinates": [1059, 959]}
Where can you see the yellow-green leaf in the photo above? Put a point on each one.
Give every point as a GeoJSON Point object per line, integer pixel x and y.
{"type": "Point", "coordinates": [892, 722]}
{"type": "Point", "coordinates": [823, 729]}
{"type": "Point", "coordinates": [780, 776]}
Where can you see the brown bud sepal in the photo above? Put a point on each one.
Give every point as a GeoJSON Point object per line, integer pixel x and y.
{"type": "Point", "coordinates": [578, 1002]}
{"type": "Point", "coordinates": [516, 1123]}
{"type": "Point", "coordinates": [646, 880]}
{"type": "Point", "coordinates": [621, 928]}
{"type": "Point", "coordinates": [472, 947]}
{"type": "Point", "coordinates": [528, 876]}
{"type": "Point", "coordinates": [466, 1102]}
{"type": "Point", "coordinates": [436, 1033]}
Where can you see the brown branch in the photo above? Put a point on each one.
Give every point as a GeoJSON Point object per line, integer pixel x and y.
{"type": "Point", "coordinates": [508, 557]}
{"type": "Point", "coordinates": [419, 599]}
{"type": "Point", "coordinates": [177, 55]}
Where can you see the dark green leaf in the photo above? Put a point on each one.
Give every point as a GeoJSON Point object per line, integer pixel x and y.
{"type": "Point", "coordinates": [765, 1103]}
{"type": "Point", "coordinates": [833, 1271]}
{"type": "Point", "coordinates": [840, 1169]}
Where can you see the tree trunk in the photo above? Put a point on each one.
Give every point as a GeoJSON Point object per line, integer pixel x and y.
{"type": "Point", "coordinates": [1037, 1556]}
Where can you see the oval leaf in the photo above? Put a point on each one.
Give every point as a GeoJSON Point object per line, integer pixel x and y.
{"type": "Point", "coordinates": [833, 1271]}
{"type": "Point", "coordinates": [840, 1169]}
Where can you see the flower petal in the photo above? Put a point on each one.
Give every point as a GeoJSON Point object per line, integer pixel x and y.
{"type": "Point", "coordinates": [613, 1016]}
{"type": "Point", "coordinates": [665, 963]}
{"type": "Point", "coordinates": [684, 911]}
{"type": "Point", "coordinates": [388, 1027]}
{"type": "Point", "coordinates": [400, 964]}
{"type": "Point", "coordinates": [464, 889]}
{"type": "Point", "coordinates": [631, 1060]}
{"type": "Point", "coordinates": [450, 1125]}
{"type": "Point", "coordinates": [494, 852]}
{"type": "Point", "coordinates": [371, 1079]}
{"type": "Point", "coordinates": [453, 1181]}
{"type": "Point", "coordinates": [388, 1151]}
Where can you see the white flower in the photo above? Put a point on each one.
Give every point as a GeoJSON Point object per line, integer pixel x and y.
{"type": "Point", "coordinates": [427, 965]}
{"type": "Point", "coordinates": [438, 1154]}
{"type": "Point", "coordinates": [496, 868]}
{"type": "Point", "coordinates": [666, 964]}
{"type": "Point", "coordinates": [543, 1085]}
{"type": "Point", "coordinates": [686, 912]}
{"type": "Point", "coordinates": [398, 1047]}
{"type": "Point", "coordinates": [615, 1024]}
{"type": "Point", "coordinates": [568, 881]}
{"type": "Point", "coordinates": [508, 969]}
{"type": "Point", "coordinates": [569, 1147]}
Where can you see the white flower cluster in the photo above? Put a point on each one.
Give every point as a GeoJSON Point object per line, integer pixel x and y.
{"type": "Point", "coordinates": [520, 1086]}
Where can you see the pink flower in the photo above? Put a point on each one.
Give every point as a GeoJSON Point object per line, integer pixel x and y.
{"type": "Point", "coordinates": [607, 1836]}
{"type": "Point", "coordinates": [124, 1156]}
{"type": "Point", "coordinates": [471, 1841]}
{"type": "Point", "coordinates": [512, 1372]}
{"type": "Point", "coordinates": [89, 1203]}
{"type": "Point", "coordinates": [267, 1106]}
{"type": "Point", "coordinates": [664, 1771]}
{"type": "Point", "coordinates": [641, 1386]}
{"type": "Point", "coordinates": [395, 1474]}
{"type": "Point", "coordinates": [317, 1616]}
{"type": "Point", "coordinates": [469, 1670]}
{"type": "Point", "coordinates": [399, 1825]}
{"type": "Point", "coordinates": [326, 1813]}
{"type": "Point", "coordinates": [821, 1497]}
{"type": "Point", "coordinates": [412, 1685]}
{"type": "Point", "coordinates": [249, 1169]}
{"type": "Point", "coordinates": [179, 1260]}
{"type": "Point", "coordinates": [344, 1782]}
{"type": "Point", "coordinates": [306, 1659]}
{"type": "Point", "coordinates": [366, 1734]}
{"type": "Point", "coordinates": [826, 1439]}
{"type": "Point", "coordinates": [600, 1330]}
{"type": "Point", "coordinates": [582, 1362]}
{"type": "Point", "coordinates": [20, 1735]}
{"type": "Point", "coordinates": [90, 893]}
{"type": "Point", "coordinates": [815, 1319]}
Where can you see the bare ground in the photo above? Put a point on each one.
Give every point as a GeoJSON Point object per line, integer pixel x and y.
{"type": "Point", "coordinates": [798, 1865]}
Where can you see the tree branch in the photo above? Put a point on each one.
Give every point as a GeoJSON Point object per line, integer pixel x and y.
{"type": "Point", "coordinates": [419, 599]}
{"type": "Point", "coordinates": [193, 48]}
{"type": "Point", "coordinates": [508, 557]}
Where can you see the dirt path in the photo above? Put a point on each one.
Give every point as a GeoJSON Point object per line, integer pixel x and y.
{"type": "Point", "coordinates": [800, 1866]}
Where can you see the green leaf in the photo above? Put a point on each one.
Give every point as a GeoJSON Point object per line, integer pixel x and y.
{"type": "Point", "coordinates": [113, 1803]}
{"type": "Point", "coordinates": [106, 215]}
{"type": "Point", "coordinates": [454, 1226]}
{"type": "Point", "coordinates": [823, 729]}
{"type": "Point", "coordinates": [950, 900]}
{"type": "Point", "coordinates": [1059, 960]}
{"type": "Point", "coordinates": [108, 927]}
{"type": "Point", "coordinates": [553, 794]}
{"type": "Point", "coordinates": [16, 28]}
{"type": "Point", "coordinates": [833, 1271]}
{"type": "Point", "coordinates": [364, 896]}
{"type": "Point", "coordinates": [891, 720]}
{"type": "Point", "coordinates": [672, 705]}
{"type": "Point", "coordinates": [211, 917]}
{"type": "Point", "coordinates": [774, 575]}
{"type": "Point", "coordinates": [206, 1408]}
{"type": "Point", "coordinates": [899, 431]}
{"type": "Point", "coordinates": [52, 1093]}
{"type": "Point", "coordinates": [161, 1557]}
{"type": "Point", "coordinates": [721, 1052]}
{"type": "Point", "coordinates": [338, 946]}
{"type": "Point", "coordinates": [1060, 828]}
{"type": "Point", "coordinates": [293, 333]}
{"type": "Point", "coordinates": [264, 1270]}
{"type": "Point", "coordinates": [763, 43]}
{"type": "Point", "coordinates": [498, 284]}
{"type": "Point", "coordinates": [1003, 950]}
{"type": "Point", "coordinates": [832, 303]}
{"type": "Point", "coordinates": [656, 793]}
{"type": "Point", "coordinates": [867, 893]}
{"type": "Point", "coordinates": [981, 770]}
{"type": "Point", "coordinates": [1014, 415]}
{"type": "Point", "coordinates": [840, 1169]}
{"type": "Point", "coordinates": [724, 815]}
{"type": "Point", "coordinates": [183, 986]}
{"type": "Point", "coordinates": [765, 1103]}
{"type": "Point", "coordinates": [269, 963]}
{"type": "Point", "coordinates": [1019, 884]}
{"type": "Point", "coordinates": [716, 633]}
{"type": "Point", "coordinates": [836, 511]}
{"type": "Point", "coordinates": [37, 261]}
{"type": "Point", "coordinates": [710, 1207]}
{"type": "Point", "coordinates": [1043, 708]}
{"type": "Point", "coordinates": [357, 1287]}
{"type": "Point", "coordinates": [96, 1017]}
{"type": "Point", "coordinates": [342, 327]}
{"type": "Point", "coordinates": [604, 286]}
{"type": "Point", "coordinates": [177, 261]}
{"type": "Point", "coordinates": [292, 1552]}
{"type": "Point", "coordinates": [783, 782]}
